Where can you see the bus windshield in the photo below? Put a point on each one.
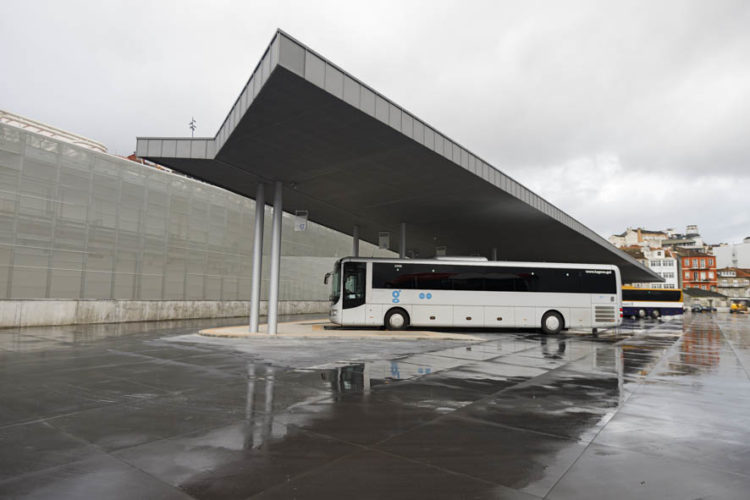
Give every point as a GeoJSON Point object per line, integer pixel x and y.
{"type": "Point", "coordinates": [336, 283]}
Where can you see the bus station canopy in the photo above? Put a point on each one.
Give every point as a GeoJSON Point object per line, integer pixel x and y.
{"type": "Point", "coordinates": [349, 156]}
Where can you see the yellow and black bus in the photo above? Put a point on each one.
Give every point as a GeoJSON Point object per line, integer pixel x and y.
{"type": "Point", "coordinates": [653, 302]}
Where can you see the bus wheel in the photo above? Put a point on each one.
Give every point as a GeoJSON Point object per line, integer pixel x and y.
{"type": "Point", "coordinates": [641, 313]}
{"type": "Point", "coordinates": [397, 319]}
{"type": "Point", "coordinates": [552, 323]}
{"type": "Point", "coordinates": [655, 314]}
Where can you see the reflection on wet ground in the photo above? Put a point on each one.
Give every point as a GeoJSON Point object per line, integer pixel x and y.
{"type": "Point", "coordinates": [659, 410]}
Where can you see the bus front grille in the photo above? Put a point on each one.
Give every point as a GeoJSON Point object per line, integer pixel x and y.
{"type": "Point", "coordinates": [604, 314]}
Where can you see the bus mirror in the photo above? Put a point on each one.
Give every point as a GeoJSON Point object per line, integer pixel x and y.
{"type": "Point", "coordinates": [325, 279]}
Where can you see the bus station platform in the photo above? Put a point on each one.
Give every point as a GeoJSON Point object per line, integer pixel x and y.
{"type": "Point", "coordinates": [323, 329]}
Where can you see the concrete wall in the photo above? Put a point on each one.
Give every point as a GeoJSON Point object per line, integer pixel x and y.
{"type": "Point", "coordinates": [17, 313]}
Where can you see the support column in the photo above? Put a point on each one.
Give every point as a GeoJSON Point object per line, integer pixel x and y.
{"type": "Point", "coordinates": [402, 242]}
{"type": "Point", "coordinates": [260, 208]}
{"type": "Point", "coordinates": [273, 289]}
{"type": "Point", "coordinates": [494, 253]}
{"type": "Point", "coordinates": [355, 241]}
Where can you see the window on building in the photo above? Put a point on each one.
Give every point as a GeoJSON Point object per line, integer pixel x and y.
{"type": "Point", "coordinates": [703, 275]}
{"type": "Point", "coordinates": [703, 263]}
{"type": "Point", "coordinates": [695, 275]}
{"type": "Point", "coordinates": [687, 275]}
{"type": "Point", "coordinates": [710, 275]}
{"type": "Point", "coordinates": [686, 263]}
{"type": "Point", "coordinates": [695, 262]}
{"type": "Point", "coordinates": [710, 262]}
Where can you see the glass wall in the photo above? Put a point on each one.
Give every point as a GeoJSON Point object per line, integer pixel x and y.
{"type": "Point", "coordinates": [76, 223]}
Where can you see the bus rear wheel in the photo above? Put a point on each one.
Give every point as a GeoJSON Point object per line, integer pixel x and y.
{"type": "Point", "coordinates": [397, 319]}
{"type": "Point", "coordinates": [655, 314]}
{"type": "Point", "coordinates": [552, 323]}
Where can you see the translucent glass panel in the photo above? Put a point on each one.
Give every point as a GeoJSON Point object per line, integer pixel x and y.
{"type": "Point", "coordinates": [79, 224]}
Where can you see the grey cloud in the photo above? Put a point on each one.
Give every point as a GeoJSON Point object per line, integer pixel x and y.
{"type": "Point", "coordinates": [662, 86]}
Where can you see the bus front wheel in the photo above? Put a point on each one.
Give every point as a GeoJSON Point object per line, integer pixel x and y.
{"type": "Point", "coordinates": [552, 323]}
{"type": "Point", "coordinates": [655, 314]}
{"type": "Point", "coordinates": [397, 319]}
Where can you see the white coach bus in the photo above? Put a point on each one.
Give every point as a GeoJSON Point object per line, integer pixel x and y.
{"type": "Point", "coordinates": [474, 292]}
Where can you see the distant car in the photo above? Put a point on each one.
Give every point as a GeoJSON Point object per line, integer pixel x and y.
{"type": "Point", "coordinates": [696, 308]}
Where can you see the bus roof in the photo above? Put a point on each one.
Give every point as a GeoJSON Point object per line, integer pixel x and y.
{"type": "Point", "coordinates": [478, 263]}
{"type": "Point", "coordinates": [629, 287]}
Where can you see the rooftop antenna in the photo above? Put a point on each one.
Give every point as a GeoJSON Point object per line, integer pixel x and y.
{"type": "Point", "coordinates": [192, 126]}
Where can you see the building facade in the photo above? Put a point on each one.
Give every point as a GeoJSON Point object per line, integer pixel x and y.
{"type": "Point", "coordinates": [734, 282]}
{"type": "Point", "coordinates": [662, 261]}
{"type": "Point", "coordinates": [640, 237]}
{"type": "Point", "coordinates": [734, 254]}
{"type": "Point", "coordinates": [690, 240]}
{"type": "Point", "coordinates": [89, 229]}
{"type": "Point", "coordinates": [698, 270]}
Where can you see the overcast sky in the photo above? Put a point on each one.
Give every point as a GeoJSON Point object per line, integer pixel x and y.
{"type": "Point", "coordinates": [621, 113]}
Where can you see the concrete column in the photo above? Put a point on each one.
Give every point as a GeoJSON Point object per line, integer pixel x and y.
{"type": "Point", "coordinates": [260, 208]}
{"type": "Point", "coordinates": [273, 289]}
{"type": "Point", "coordinates": [494, 253]}
{"type": "Point", "coordinates": [355, 241]}
{"type": "Point", "coordinates": [402, 242]}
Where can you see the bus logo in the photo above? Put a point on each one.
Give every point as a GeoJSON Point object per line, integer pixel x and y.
{"type": "Point", "coordinates": [396, 294]}
{"type": "Point", "coordinates": [427, 296]}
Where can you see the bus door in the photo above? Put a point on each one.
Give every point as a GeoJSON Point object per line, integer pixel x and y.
{"type": "Point", "coordinates": [353, 291]}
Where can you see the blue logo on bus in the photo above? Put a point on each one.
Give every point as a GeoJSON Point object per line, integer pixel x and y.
{"type": "Point", "coordinates": [427, 296]}
{"type": "Point", "coordinates": [396, 294]}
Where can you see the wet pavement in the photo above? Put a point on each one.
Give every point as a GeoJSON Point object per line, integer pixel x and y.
{"type": "Point", "coordinates": [152, 410]}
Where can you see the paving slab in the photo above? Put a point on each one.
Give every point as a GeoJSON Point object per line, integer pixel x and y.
{"type": "Point", "coordinates": [155, 410]}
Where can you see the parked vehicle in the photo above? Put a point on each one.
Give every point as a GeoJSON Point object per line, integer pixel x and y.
{"type": "Point", "coordinates": [738, 306]}
{"type": "Point", "coordinates": [446, 292]}
{"type": "Point", "coordinates": [653, 302]}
